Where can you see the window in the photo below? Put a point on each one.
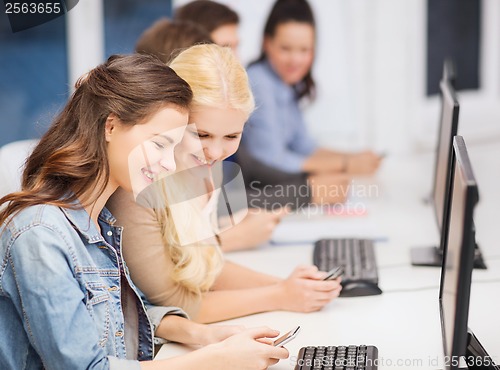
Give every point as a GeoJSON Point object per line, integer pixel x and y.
{"type": "Point", "coordinates": [125, 20]}
{"type": "Point", "coordinates": [33, 78]}
{"type": "Point", "coordinates": [453, 32]}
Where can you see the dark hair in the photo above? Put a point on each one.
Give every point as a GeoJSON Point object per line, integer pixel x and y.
{"type": "Point", "coordinates": [284, 11]}
{"type": "Point", "coordinates": [165, 39]}
{"type": "Point", "coordinates": [208, 14]}
{"type": "Point", "coordinates": [71, 158]}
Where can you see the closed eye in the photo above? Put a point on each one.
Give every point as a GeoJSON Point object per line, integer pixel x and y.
{"type": "Point", "coordinates": [201, 136]}
{"type": "Point", "coordinates": [159, 145]}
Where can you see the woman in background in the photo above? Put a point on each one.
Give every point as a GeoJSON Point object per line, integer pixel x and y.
{"type": "Point", "coordinates": [195, 277]}
{"type": "Point", "coordinates": [281, 80]}
{"type": "Point", "coordinates": [220, 21]}
{"type": "Point", "coordinates": [66, 298]}
{"type": "Point", "coordinates": [166, 38]}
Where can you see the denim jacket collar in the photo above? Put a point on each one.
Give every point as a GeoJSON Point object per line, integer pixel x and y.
{"type": "Point", "coordinates": [84, 225]}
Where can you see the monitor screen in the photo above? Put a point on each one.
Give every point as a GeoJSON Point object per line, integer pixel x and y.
{"type": "Point", "coordinates": [458, 257]}
{"type": "Point", "coordinates": [447, 129]}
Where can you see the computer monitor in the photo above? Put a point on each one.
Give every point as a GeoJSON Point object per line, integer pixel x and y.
{"type": "Point", "coordinates": [432, 256]}
{"type": "Point", "coordinates": [457, 266]}
{"type": "Point", "coordinates": [447, 130]}
{"type": "Point", "coordinates": [449, 72]}
{"type": "Point", "coordinates": [448, 127]}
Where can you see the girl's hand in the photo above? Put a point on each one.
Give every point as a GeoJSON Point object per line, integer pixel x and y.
{"type": "Point", "coordinates": [306, 291]}
{"type": "Point", "coordinates": [245, 351]}
{"type": "Point", "coordinates": [217, 333]}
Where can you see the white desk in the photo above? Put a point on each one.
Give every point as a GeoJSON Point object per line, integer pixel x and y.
{"type": "Point", "coordinates": [404, 321]}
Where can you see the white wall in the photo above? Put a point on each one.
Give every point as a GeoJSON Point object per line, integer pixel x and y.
{"type": "Point", "coordinates": [85, 41]}
{"type": "Point", "coordinates": [370, 71]}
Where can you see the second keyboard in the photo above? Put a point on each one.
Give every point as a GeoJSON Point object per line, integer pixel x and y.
{"type": "Point", "coordinates": [357, 257]}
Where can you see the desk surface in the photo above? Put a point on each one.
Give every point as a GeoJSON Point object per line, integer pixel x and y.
{"type": "Point", "coordinates": [404, 321]}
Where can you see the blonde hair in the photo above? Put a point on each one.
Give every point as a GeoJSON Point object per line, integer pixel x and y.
{"type": "Point", "coordinates": [197, 264]}
{"type": "Point", "coordinates": [217, 79]}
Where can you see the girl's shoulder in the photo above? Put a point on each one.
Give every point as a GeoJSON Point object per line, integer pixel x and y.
{"type": "Point", "coordinates": [259, 70]}
{"type": "Point", "coordinates": [264, 80]}
{"type": "Point", "coordinates": [35, 215]}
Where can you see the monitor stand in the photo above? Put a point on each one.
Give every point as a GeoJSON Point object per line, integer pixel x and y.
{"type": "Point", "coordinates": [433, 256]}
{"type": "Point", "coordinates": [476, 356]}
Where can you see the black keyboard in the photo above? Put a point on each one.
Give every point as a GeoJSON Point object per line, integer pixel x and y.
{"type": "Point", "coordinates": [357, 257]}
{"type": "Point", "coordinates": [337, 358]}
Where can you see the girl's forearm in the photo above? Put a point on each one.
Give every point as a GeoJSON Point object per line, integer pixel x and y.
{"type": "Point", "coordinates": [228, 304]}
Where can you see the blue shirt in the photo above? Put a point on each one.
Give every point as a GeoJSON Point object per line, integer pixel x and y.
{"type": "Point", "coordinates": [61, 285]}
{"type": "Point", "coordinates": [276, 133]}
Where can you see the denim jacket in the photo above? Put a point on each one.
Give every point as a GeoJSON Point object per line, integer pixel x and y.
{"type": "Point", "coordinates": [60, 294]}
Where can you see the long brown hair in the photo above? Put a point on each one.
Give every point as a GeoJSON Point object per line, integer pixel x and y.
{"type": "Point", "coordinates": [71, 157]}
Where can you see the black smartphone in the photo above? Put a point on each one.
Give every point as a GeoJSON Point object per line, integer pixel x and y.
{"type": "Point", "coordinates": [285, 338]}
{"type": "Point", "coordinates": [334, 273]}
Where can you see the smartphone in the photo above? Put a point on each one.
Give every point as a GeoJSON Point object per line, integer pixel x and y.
{"type": "Point", "coordinates": [284, 339]}
{"type": "Point", "coordinates": [334, 273]}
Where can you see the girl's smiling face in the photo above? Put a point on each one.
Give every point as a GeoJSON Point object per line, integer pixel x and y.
{"type": "Point", "coordinates": [140, 154]}
{"type": "Point", "coordinates": [212, 135]}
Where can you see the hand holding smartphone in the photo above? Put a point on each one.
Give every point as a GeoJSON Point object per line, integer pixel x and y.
{"type": "Point", "coordinates": [334, 273]}
{"type": "Point", "coordinates": [285, 338]}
